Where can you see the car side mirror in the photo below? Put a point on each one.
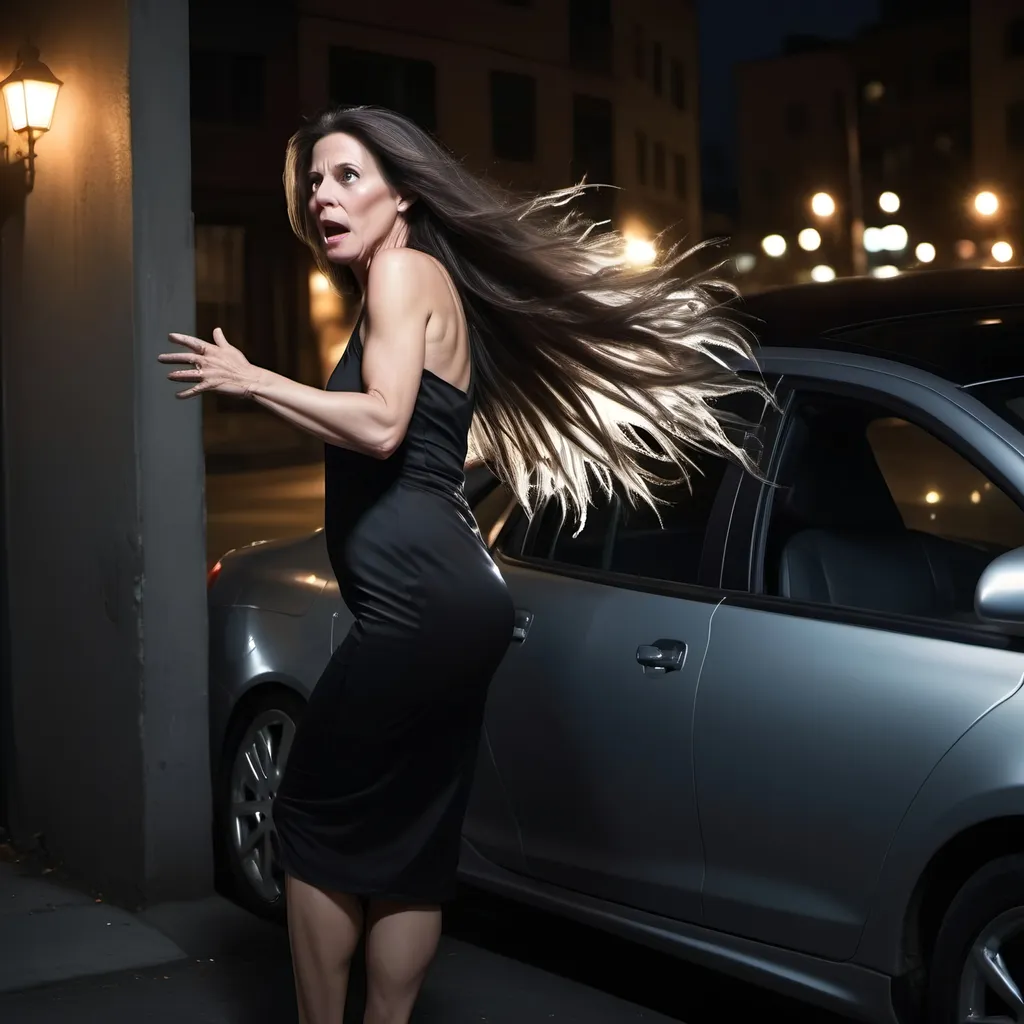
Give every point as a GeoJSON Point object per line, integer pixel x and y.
{"type": "Point", "coordinates": [999, 595]}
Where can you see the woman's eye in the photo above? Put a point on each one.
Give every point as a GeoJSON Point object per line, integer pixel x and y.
{"type": "Point", "coordinates": [349, 176]}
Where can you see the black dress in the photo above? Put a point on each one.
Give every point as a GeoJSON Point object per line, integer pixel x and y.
{"type": "Point", "coordinates": [377, 782]}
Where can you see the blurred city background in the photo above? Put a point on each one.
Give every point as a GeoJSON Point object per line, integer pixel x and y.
{"type": "Point", "coordinates": [821, 139]}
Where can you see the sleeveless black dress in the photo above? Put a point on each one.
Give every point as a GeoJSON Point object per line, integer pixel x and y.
{"type": "Point", "coordinates": [377, 782]}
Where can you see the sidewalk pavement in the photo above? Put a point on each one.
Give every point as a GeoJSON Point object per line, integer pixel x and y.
{"type": "Point", "coordinates": [68, 958]}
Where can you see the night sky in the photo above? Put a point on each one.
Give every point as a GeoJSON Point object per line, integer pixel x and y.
{"type": "Point", "coordinates": [739, 30]}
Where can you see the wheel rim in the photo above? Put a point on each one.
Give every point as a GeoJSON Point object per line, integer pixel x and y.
{"type": "Point", "coordinates": [990, 985]}
{"type": "Point", "coordinates": [255, 776]}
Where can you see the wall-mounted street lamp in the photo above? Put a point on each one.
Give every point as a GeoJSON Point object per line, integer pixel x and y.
{"type": "Point", "coordinates": [30, 95]}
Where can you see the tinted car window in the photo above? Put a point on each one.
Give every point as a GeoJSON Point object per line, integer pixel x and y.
{"type": "Point", "coordinates": [669, 549]}
{"type": "Point", "coordinates": [938, 491]}
{"type": "Point", "coordinates": [875, 513]}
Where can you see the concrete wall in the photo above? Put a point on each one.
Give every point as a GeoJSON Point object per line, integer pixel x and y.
{"type": "Point", "coordinates": [104, 516]}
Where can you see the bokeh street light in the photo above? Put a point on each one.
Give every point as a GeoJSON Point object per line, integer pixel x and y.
{"type": "Point", "coordinates": [1002, 252]}
{"type": "Point", "coordinates": [925, 252]}
{"type": "Point", "coordinates": [774, 245]}
{"type": "Point", "coordinates": [894, 237]}
{"type": "Point", "coordinates": [873, 240]}
{"type": "Point", "coordinates": [823, 272]}
{"type": "Point", "coordinates": [886, 271]}
{"type": "Point", "coordinates": [640, 252]}
{"type": "Point", "coordinates": [889, 202]}
{"type": "Point", "coordinates": [986, 203]}
{"type": "Point", "coordinates": [822, 204]}
{"type": "Point", "coordinates": [809, 239]}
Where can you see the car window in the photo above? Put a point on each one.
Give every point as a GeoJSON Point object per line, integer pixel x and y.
{"type": "Point", "coordinates": [556, 538]}
{"type": "Point", "coordinates": [938, 491]}
{"type": "Point", "coordinates": [874, 512]}
{"type": "Point", "coordinates": [667, 543]}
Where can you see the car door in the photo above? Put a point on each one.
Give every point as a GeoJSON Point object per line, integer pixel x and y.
{"type": "Point", "coordinates": [834, 686]}
{"type": "Point", "coordinates": [590, 717]}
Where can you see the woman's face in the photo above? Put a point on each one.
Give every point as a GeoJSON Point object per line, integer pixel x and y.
{"type": "Point", "coordinates": [356, 209]}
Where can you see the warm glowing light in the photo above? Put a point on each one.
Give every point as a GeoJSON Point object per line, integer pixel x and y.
{"type": "Point", "coordinates": [823, 272]}
{"type": "Point", "coordinates": [773, 245]}
{"type": "Point", "coordinates": [925, 252]}
{"type": "Point", "coordinates": [966, 249]}
{"type": "Point", "coordinates": [889, 202]}
{"type": "Point", "coordinates": [975, 497]}
{"type": "Point", "coordinates": [986, 203]}
{"type": "Point", "coordinates": [809, 239]}
{"type": "Point", "coordinates": [745, 262]}
{"type": "Point", "coordinates": [1002, 252]}
{"type": "Point", "coordinates": [30, 94]}
{"type": "Point", "coordinates": [640, 252]}
{"type": "Point", "coordinates": [823, 204]}
{"type": "Point", "coordinates": [874, 91]}
{"type": "Point", "coordinates": [318, 283]}
{"type": "Point", "coordinates": [895, 237]}
{"type": "Point", "coordinates": [873, 240]}
{"type": "Point", "coordinates": [888, 270]}
{"type": "Point", "coordinates": [933, 497]}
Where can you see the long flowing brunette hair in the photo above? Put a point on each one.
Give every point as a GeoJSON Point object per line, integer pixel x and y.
{"type": "Point", "coordinates": [587, 371]}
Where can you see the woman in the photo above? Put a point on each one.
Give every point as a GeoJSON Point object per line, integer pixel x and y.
{"type": "Point", "coordinates": [514, 325]}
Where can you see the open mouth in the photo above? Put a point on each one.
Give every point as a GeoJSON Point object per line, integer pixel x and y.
{"type": "Point", "coordinates": [333, 231]}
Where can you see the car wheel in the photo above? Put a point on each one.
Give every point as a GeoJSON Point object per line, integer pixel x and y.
{"type": "Point", "coordinates": [977, 969]}
{"type": "Point", "coordinates": [255, 754]}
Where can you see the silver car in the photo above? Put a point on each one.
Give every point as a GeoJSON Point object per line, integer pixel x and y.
{"type": "Point", "coordinates": [778, 733]}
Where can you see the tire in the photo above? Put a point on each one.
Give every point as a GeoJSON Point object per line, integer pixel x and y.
{"type": "Point", "coordinates": [988, 909]}
{"type": "Point", "coordinates": [261, 727]}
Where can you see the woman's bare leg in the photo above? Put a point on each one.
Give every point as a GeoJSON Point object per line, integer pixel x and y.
{"type": "Point", "coordinates": [324, 929]}
{"type": "Point", "coordinates": [401, 941]}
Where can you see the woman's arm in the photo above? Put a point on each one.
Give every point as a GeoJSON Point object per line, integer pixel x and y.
{"type": "Point", "coordinates": [372, 421]}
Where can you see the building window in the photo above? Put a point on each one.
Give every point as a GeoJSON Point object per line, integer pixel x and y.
{"type": "Point", "coordinates": [641, 158]}
{"type": "Point", "coordinates": [1014, 38]}
{"type": "Point", "coordinates": [220, 280]}
{"type": "Point", "coordinates": [590, 35]}
{"type": "Point", "coordinates": [404, 85]}
{"type": "Point", "coordinates": [1015, 126]}
{"type": "Point", "coordinates": [796, 119]}
{"type": "Point", "coordinates": [951, 69]}
{"type": "Point", "coordinates": [227, 88]}
{"type": "Point", "coordinates": [593, 149]}
{"type": "Point", "coordinates": [657, 60]}
{"type": "Point", "coordinates": [680, 183]}
{"type": "Point", "coordinates": [677, 83]}
{"type": "Point", "coordinates": [659, 165]}
{"type": "Point", "coordinates": [513, 116]}
{"type": "Point", "coordinates": [639, 53]}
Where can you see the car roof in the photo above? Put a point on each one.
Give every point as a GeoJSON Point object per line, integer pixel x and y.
{"type": "Point", "coordinates": [964, 325]}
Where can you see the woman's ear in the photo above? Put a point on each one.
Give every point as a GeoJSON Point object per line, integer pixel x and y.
{"type": "Point", "coordinates": [405, 202]}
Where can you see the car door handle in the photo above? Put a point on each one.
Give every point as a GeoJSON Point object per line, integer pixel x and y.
{"type": "Point", "coordinates": [667, 655]}
{"type": "Point", "coordinates": [524, 620]}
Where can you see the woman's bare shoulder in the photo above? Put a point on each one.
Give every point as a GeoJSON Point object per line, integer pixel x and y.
{"type": "Point", "coordinates": [411, 271]}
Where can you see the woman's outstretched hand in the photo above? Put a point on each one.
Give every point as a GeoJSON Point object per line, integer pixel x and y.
{"type": "Point", "coordinates": [216, 366]}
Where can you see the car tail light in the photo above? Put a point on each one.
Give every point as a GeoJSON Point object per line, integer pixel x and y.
{"type": "Point", "coordinates": [211, 576]}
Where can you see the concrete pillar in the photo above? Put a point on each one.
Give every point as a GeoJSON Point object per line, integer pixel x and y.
{"type": "Point", "coordinates": [107, 688]}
